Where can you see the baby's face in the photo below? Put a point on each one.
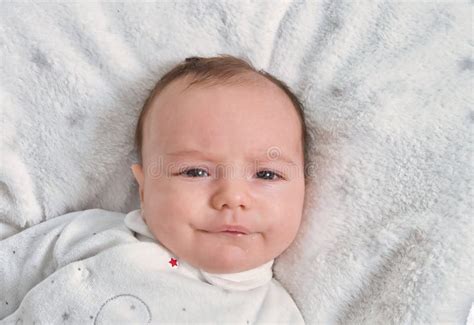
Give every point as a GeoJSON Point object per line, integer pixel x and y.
{"type": "Point", "coordinates": [211, 158]}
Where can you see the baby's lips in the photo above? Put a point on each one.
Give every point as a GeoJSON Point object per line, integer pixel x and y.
{"type": "Point", "coordinates": [232, 228]}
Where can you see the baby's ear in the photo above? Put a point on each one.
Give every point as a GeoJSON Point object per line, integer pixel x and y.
{"type": "Point", "coordinates": [137, 171]}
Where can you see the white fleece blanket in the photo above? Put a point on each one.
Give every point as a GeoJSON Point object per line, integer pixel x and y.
{"type": "Point", "coordinates": [103, 267]}
{"type": "Point", "coordinates": [387, 231]}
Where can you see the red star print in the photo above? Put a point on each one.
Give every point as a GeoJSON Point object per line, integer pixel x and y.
{"type": "Point", "coordinates": [173, 262]}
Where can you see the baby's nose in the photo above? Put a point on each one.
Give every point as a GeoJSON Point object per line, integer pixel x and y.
{"type": "Point", "coordinates": [232, 194]}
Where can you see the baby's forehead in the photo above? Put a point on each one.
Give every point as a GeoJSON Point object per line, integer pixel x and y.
{"type": "Point", "coordinates": [251, 86]}
{"type": "Point", "coordinates": [251, 96]}
{"type": "Point", "coordinates": [254, 97]}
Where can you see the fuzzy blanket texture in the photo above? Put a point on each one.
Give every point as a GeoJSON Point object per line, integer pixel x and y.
{"type": "Point", "coordinates": [387, 235]}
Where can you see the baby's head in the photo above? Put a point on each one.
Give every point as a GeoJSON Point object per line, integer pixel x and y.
{"type": "Point", "coordinates": [222, 144]}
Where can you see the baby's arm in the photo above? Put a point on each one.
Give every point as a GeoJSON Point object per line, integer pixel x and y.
{"type": "Point", "coordinates": [30, 256]}
{"type": "Point", "coordinates": [26, 258]}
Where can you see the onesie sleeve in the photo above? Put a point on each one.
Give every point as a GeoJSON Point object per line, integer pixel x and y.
{"type": "Point", "coordinates": [30, 256]}
{"type": "Point", "coordinates": [26, 258]}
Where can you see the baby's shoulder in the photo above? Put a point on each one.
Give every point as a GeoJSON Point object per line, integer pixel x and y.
{"type": "Point", "coordinates": [72, 236]}
{"type": "Point", "coordinates": [90, 232]}
{"type": "Point", "coordinates": [92, 219]}
{"type": "Point", "coordinates": [276, 287]}
{"type": "Point", "coordinates": [287, 310]}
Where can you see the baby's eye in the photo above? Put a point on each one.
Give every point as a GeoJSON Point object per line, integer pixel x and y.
{"type": "Point", "coordinates": [268, 175]}
{"type": "Point", "coordinates": [194, 172]}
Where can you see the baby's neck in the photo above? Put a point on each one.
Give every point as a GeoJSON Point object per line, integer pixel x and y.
{"type": "Point", "coordinates": [241, 281]}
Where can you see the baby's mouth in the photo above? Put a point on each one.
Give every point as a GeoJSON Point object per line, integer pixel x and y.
{"type": "Point", "coordinates": [226, 233]}
{"type": "Point", "coordinates": [234, 232]}
{"type": "Point", "coordinates": [232, 229]}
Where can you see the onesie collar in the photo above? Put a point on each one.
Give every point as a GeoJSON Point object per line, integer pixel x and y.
{"type": "Point", "coordinates": [239, 281]}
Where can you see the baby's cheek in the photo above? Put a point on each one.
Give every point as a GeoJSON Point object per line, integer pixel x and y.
{"type": "Point", "coordinates": [284, 231]}
{"type": "Point", "coordinates": [172, 212]}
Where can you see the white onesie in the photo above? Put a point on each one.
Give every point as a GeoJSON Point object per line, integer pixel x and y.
{"type": "Point", "coordinates": [97, 266]}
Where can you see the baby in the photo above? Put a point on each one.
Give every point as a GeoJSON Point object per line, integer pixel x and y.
{"type": "Point", "coordinates": [222, 151]}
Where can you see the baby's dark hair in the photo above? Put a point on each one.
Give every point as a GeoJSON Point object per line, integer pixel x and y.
{"type": "Point", "coordinates": [217, 70]}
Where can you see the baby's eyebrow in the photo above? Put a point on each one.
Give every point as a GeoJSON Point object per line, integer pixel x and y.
{"type": "Point", "coordinates": [269, 156]}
